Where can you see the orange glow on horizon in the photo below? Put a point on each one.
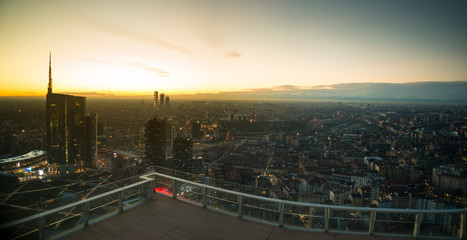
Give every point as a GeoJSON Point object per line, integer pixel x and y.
{"type": "Point", "coordinates": [131, 48]}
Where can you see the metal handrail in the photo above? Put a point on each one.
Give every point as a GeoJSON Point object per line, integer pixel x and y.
{"type": "Point", "coordinates": [52, 211]}
{"type": "Point", "coordinates": [419, 213]}
{"type": "Point", "coordinates": [150, 178]}
{"type": "Point", "coordinates": [301, 204]}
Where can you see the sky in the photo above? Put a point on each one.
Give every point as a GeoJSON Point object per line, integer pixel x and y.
{"type": "Point", "coordinates": [105, 47]}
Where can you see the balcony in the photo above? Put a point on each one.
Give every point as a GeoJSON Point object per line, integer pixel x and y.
{"type": "Point", "coordinates": [181, 209]}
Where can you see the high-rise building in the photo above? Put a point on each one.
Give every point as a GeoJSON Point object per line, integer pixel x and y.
{"type": "Point", "coordinates": [156, 98]}
{"type": "Point", "coordinates": [171, 131]}
{"type": "Point", "coordinates": [183, 154]}
{"type": "Point", "coordinates": [167, 101]}
{"type": "Point", "coordinates": [91, 140]}
{"type": "Point", "coordinates": [162, 99]}
{"type": "Point", "coordinates": [155, 141]}
{"type": "Point", "coordinates": [66, 131]}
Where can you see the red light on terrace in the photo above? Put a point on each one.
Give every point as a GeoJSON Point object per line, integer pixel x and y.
{"type": "Point", "coordinates": [162, 190]}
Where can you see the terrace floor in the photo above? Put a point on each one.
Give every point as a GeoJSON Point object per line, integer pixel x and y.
{"type": "Point", "coordinates": [166, 218]}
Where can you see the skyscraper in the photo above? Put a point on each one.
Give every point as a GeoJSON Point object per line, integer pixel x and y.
{"type": "Point", "coordinates": [155, 141]}
{"type": "Point", "coordinates": [66, 131]}
{"type": "Point", "coordinates": [167, 101]}
{"type": "Point", "coordinates": [162, 99]}
{"type": "Point", "coordinates": [156, 98]}
{"type": "Point", "coordinates": [91, 140]}
{"type": "Point", "coordinates": [183, 154]}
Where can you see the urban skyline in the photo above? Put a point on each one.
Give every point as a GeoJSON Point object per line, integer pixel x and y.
{"type": "Point", "coordinates": [386, 156]}
{"type": "Point", "coordinates": [330, 116]}
{"type": "Point", "coordinates": [179, 47]}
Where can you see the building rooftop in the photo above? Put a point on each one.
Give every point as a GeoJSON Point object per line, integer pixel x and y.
{"type": "Point", "coordinates": [29, 155]}
{"type": "Point", "coordinates": [167, 218]}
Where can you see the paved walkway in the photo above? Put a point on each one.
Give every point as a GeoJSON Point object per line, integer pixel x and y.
{"type": "Point", "coordinates": [165, 218]}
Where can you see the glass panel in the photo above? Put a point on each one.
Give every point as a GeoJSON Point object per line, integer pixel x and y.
{"type": "Point", "coordinates": [395, 223]}
{"type": "Point", "coordinates": [261, 210]}
{"type": "Point", "coordinates": [179, 174]}
{"type": "Point", "coordinates": [304, 217]}
{"type": "Point", "coordinates": [222, 201]}
{"type": "Point", "coordinates": [63, 222]}
{"type": "Point", "coordinates": [143, 189]}
{"type": "Point", "coordinates": [440, 225]}
{"type": "Point", "coordinates": [189, 193]}
{"type": "Point", "coordinates": [128, 181]}
{"type": "Point", "coordinates": [27, 230]}
{"type": "Point", "coordinates": [162, 185]}
{"type": "Point", "coordinates": [131, 197]}
{"type": "Point", "coordinates": [9, 213]}
{"type": "Point", "coordinates": [104, 207]}
{"type": "Point", "coordinates": [349, 221]}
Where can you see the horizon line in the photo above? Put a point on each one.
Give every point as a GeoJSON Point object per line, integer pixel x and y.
{"type": "Point", "coordinates": [280, 88]}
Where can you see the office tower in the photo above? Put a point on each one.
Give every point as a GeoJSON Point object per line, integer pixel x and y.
{"type": "Point", "coordinates": [156, 98]}
{"type": "Point", "coordinates": [167, 101]}
{"type": "Point", "coordinates": [91, 140]}
{"type": "Point", "coordinates": [196, 130]}
{"type": "Point", "coordinates": [66, 131]}
{"type": "Point", "coordinates": [155, 135]}
{"type": "Point", "coordinates": [162, 99]}
{"type": "Point", "coordinates": [183, 154]}
{"type": "Point", "coordinates": [171, 132]}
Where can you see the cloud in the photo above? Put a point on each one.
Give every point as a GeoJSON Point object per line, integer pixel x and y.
{"type": "Point", "coordinates": [287, 87]}
{"type": "Point", "coordinates": [137, 36]}
{"type": "Point", "coordinates": [233, 54]}
{"type": "Point", "coordinates": [259, 89]}
{"type": "Point", "coordinates": [90, 93]}
{"type": "Point", "coordinates": [152, 69]}
{"type": "Point", "coordinates": [280, 88]}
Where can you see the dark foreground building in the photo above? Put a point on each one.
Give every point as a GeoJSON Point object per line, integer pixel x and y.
{"type": "Point", "coordinates": [183, 154]}
{"type": "Point", "coordinates": [155, 141]}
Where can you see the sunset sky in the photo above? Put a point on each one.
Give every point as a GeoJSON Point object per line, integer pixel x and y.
{"type": "Point", "coordinates": [190, 46]}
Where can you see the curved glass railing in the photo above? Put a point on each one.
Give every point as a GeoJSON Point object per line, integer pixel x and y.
{"type": "Point", "coordinates": [60, 221]}
{"type": "Point", "coordinates": [63, 220]}
{"type": "Point", "coordinates": [439, 224]}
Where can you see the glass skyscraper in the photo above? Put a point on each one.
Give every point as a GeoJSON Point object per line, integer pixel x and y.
{"type": "Point", "coordinates": [66, 131]}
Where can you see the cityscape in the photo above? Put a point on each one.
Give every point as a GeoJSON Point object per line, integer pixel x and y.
{"type": "Point", "coordinates": [355, 154]}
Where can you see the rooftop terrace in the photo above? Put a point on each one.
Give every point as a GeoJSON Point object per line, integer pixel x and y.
{"type": "Point", "coordinates": [184, 209]}
{"type": "Point", "coordinates": [166, 218]}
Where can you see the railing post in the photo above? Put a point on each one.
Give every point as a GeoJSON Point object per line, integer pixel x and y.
{"type": "Point", "coordinates": [41, 227]}
{"type": "Point", "coordinates": [462, 226]}
{"type": "Point", "coordinates": [204, 191]}
{"type": "Point", "coordinates": [281, 214]}
{"type": "Point", "coordinates": [240, 205]}
{"type": "Point", "coordinates": [327, 213]}
{"type": "Point", "coordinates": [418, 221]}
{"type": "Point", "coordinates": [86, 214]}
{"type": "Point", "coordinates": [150, 189]}
{"type": "Point", "coordinates": [174, 188]}
{"type": "Point", "coordinates": [371, 229]}
{"type": "Point", "coordinates": [311, 211]}
{"type": "Point", "coordinates": [120, 201]}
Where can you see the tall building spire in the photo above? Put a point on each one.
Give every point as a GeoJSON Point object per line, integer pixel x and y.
{"type": "Point", "coordinates": [49, 89]}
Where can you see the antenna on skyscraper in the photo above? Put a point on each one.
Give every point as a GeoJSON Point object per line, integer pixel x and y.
{"type": "Point", "coordinates": [49, 90]}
